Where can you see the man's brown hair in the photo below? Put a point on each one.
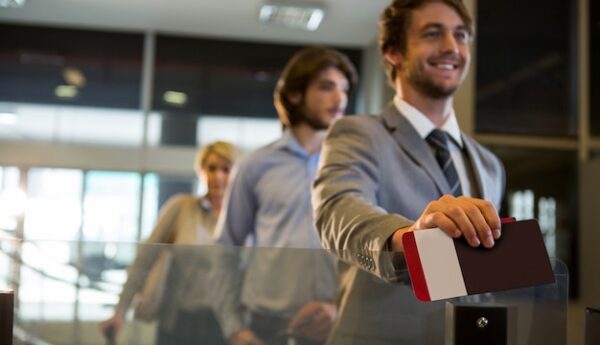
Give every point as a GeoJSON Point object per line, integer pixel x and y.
{"type": "Point", "coordinates": [300, 71]}
{"type": "Point", "coordinates": [395, 21]}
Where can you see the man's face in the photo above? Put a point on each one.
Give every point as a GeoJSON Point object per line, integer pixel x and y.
{"type": "Point", "coordinates": [325, 99]}
{"type": "Point", "coordinates": [437, 55]}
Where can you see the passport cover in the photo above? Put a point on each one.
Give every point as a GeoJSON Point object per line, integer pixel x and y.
{"type": "Point", "coordinates": [441, 267]}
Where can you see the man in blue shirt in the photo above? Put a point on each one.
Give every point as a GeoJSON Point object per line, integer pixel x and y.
{"type": "Point", "coordinates": [288, 287]}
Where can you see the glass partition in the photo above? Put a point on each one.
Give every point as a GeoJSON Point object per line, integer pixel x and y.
{"type": "Point", "coordinates": [542, 184]}
{"type": "Point", "coordinates": [12, 198]}
{"type": "Point", "coordinates": [56, 303]}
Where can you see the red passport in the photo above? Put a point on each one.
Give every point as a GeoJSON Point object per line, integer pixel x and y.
{"type": "Point", "coordinates": [442, 267]}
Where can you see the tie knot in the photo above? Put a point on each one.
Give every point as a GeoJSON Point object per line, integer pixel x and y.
{"type": "Point", "coordinates": [438, 139]}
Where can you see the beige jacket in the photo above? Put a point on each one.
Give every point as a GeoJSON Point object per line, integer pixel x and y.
{"type": "Point", "coordinates": [185, 224]}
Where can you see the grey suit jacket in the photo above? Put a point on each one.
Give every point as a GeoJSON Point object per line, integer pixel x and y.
{"type": "Point", "coordinates": [377, 175]}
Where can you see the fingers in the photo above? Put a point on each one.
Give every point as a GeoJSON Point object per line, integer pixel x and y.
{"type": "Point", "coordinates": [245, 337]}
{"type": "Point", "coordinates": [254, 341]}
{"type": "Point", "coordinates": [310, 311]}
{"type": "Point", "coordinates": [438, 219]}
{"type": "Point", "coordinates": [109, 330]}
{"type": "Point", "coordinates": [303, 316]}
{"type": "Point", "coordinates": [313, 321]}
{"type": "Point", "coordinates": [475, 219]}
{"type": "Point", "coordinates": [314, 330]}
{"type": "Point", "coordinates": [491, 216]}
{"type": "Point", "coordinates": [112, 325]}
{"type": "Point", "coordinates": [475, 228]}
{"type": "Point", "coordinates": [320, 320]}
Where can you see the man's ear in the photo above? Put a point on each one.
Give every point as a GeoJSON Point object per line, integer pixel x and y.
{"type": "Point", "coordinates": [394, 57]}
{"type": "Point", "coordinates": [295, 98]}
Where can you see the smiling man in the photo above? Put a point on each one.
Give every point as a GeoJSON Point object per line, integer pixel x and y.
{"type": "Point", "coordinates": [408, 169]}
{"type": "Point", "coordinates": [286, 294]}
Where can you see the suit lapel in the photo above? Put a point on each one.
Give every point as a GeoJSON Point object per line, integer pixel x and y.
{"type": "Point", "coordinates": [478, 169]}
{"type": "Point", "coordinates": [410, 141]}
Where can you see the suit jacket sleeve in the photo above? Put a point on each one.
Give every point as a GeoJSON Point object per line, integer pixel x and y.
{"type": "Point", "coordinates": [347, 215]}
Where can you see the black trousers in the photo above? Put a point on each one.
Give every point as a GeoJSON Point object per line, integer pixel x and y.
{"type": "Point", "coordinates": [199, 327]}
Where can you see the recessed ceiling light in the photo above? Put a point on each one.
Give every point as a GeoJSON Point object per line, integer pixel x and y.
{"type": "Point", "coordinates": [175, 98]}
{"type": "Point", "coordinates": [306, 15]}
{"type": "Point", "coordinates": [74, 76]}
{"type": "Point", "coordinates": [65, 91]}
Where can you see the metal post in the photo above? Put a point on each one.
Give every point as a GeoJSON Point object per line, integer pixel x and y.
{"type": "Point", "coordinates": [7, 299]}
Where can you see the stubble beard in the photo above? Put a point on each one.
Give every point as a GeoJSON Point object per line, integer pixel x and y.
{"type": "Point", "coordinates": [425, 84]}
{"type": "Point", "coordinates": [430, 89]}
{"type": "Point", "coordinates": [313, 121]}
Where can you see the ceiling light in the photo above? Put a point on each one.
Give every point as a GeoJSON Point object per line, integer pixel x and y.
{"type": "Point", "coordinates": [298, 15]}
{"type": "Point", "coordinates": [74, 76]}
{"type": "Point", "coordinates": [175, 98]}
{"type": "Point", "coordinates": [12, 3]}
{"type": "Point", "coordinates": [65, 91]}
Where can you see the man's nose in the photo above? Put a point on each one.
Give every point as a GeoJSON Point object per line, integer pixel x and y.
{"type": "Point", "coordinates": [341, 98]}
{"type": "Point", "coordinates": [449, 43]}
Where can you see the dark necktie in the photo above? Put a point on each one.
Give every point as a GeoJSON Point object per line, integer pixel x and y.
{"type": "Point", "coordinates": [439, 141]}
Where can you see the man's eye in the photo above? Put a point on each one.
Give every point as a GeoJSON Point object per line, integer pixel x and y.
{"type": "Point", "coordinates": [461, 36]}
{"type": "Point", "coordinates": [326, 86]}
{"type": "Point", "coordinates": [431, 34]}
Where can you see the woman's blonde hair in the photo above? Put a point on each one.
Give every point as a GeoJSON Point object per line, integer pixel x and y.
{"type": "Point", "coordinates": [222, 149]}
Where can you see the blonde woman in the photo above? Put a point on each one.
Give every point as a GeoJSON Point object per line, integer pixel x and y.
{"type": "Point", "coordinates": [185, 316]}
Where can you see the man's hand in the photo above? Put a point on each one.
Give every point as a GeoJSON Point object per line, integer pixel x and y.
{"type": "Point", "coordinates": [110, 327]}
{"type": "Point", "coordinates": [313, 321]}
{"type": "Point", "coordinates": [245, 337]}
{"type": "Point", "coordinates": [475, 219]}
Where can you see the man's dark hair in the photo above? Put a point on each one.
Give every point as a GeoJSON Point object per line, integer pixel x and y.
{"type": "Point", "coordinates": [300, 71]}
{"type": "Point", "coordinates": [395, 22]}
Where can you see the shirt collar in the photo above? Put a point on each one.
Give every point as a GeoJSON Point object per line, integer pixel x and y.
{"type": "Point", "coordinates": [423, 125]}
{"type": "Point", "coordinates": [288, 141]}
{"type": "Point", "coordinates": [205, 203]}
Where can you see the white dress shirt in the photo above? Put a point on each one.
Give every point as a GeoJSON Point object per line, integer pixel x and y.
{"type": "Point", "coordinates": [424, 126]}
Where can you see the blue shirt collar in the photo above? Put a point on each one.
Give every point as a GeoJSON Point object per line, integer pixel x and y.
{"type": "Point", "coordinates": [289, 142]}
